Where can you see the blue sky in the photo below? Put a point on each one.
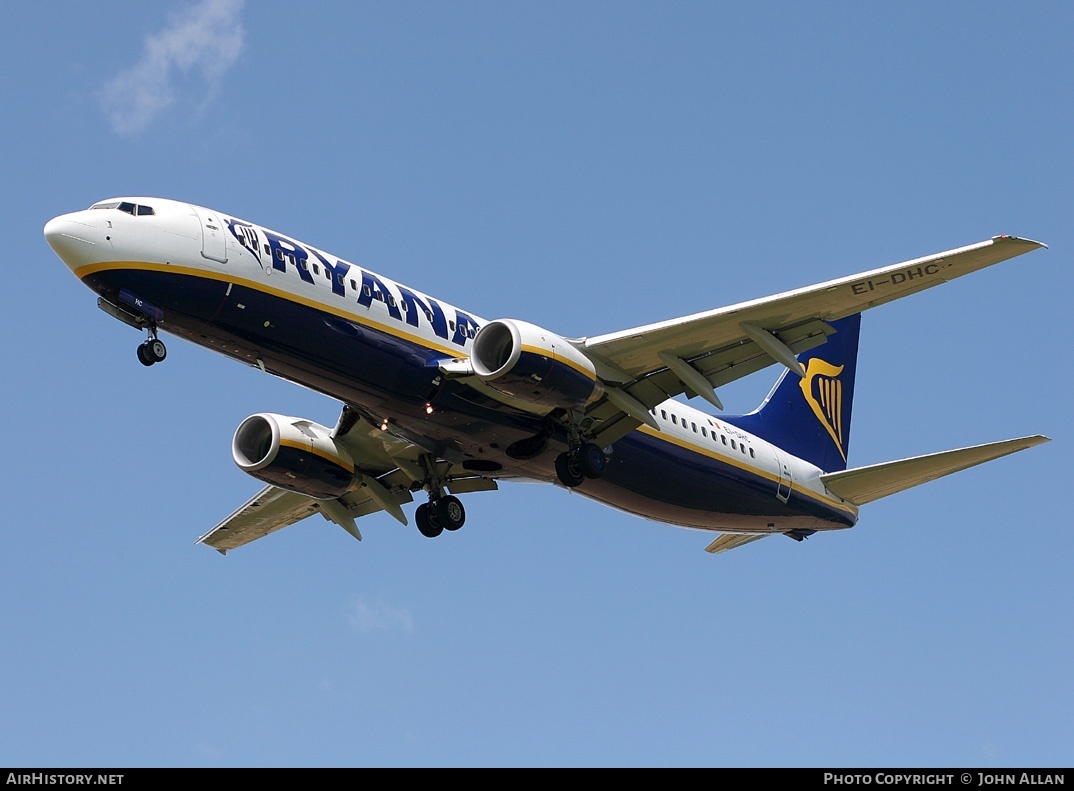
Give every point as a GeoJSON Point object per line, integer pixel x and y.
{"type": "Point", "coordinates": [587, 167]}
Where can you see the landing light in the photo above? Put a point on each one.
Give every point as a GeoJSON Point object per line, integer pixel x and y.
{"type": "Point", "coordinates": [428, 409]}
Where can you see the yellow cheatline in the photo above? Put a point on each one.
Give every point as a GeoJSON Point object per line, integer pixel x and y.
{"type": "Point", "coordinates": [225, 277]}
{"type": "Point", "coordinates": [565, 360]}
{"type": "Point", "coordinates": [729, 459]}
{"type": "Point", "coordinates": [310, 448]}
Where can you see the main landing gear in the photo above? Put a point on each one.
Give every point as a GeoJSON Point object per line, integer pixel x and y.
{"type": "Point", "coordinates": [436, 516]}
{"type": "Point", "coordinates": [152, 350]}
{"type": "Point", "coordinates": [443, 511]}
{"type": "Point", "coordinates": [580, 462]}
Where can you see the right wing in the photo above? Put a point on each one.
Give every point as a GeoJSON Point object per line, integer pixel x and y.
{"type": "Point", "coordinates": [636, 352]}
{"type": "Point", "coordinates": [643, 366]}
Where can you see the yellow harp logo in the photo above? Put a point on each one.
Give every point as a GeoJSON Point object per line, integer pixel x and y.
{"type": "Point", "coordinates": [823, 391]}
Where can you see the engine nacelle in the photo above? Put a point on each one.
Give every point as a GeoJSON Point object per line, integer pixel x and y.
{"type": "Point", "coordinates": [293, 454]}
{"type": "Point", "coordinates": [532, 364]}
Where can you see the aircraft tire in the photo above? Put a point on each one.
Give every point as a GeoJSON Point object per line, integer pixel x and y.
{"type": "Point", "coordinates": [449, 512]}
{"type": "Point", "coordinates": [568, 471]}
{"type": "Point", "coordinates": [428, 525]}
{"type": "Point", "coordinates": [591, 460]}
{"type": "Point", "coordinates": [156, 350]}
{"type": "Point", "coordinates": [143, 354]}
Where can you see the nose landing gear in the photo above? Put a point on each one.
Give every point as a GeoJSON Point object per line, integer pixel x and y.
{"type": "Point", "coordinates": [152, 350]}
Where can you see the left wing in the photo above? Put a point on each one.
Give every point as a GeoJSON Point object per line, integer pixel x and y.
{"type": "Point", "coordinates": [266, 512]}
{"type": "Point", "coordinates": [390, 469]}
{"type": "Point", "coordinates": [695, 354]}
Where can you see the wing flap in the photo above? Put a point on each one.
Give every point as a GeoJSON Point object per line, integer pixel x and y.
{"type": "Point", "coordinates": [864, 484]}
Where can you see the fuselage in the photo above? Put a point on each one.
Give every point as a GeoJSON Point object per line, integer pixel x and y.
{"type": "Point", "coordinates": [297, 312]}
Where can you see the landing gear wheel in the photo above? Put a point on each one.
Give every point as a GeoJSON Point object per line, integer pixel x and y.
{"type": "Point", "coordinates": [591, 460]}
{"type": "Point", "coordinates": [428, 521]}
{"type": "Point", "coordinates": [449, 512]}
{"type": "Point", "coordinates": [568, 470]}
{"type": "Point", "coordinates": [152, 351]}
{"type": "Point", "coordinates": [156, 350]}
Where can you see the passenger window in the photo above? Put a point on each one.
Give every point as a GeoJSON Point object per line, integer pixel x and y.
{"type": "Point", "coordinates": [703, 432]}
{"type": "Point", "coordinates": [674, 420]}
{"type": "Point", "coordinates": [752, 454]}
{"type": "Point", "coordinates": [664, 414]}
{"type": "Point", "coordinates": [723, 438]}
{"type": "Point", "coordinates": [733, 445]}
{"type": "Point", "coordinates": [693, 426]}
{"type": "Point", "coordinates": [354, 286]}
{"type": "Point", "coordinates": [365, 290]}
{"type": "Point", "coordinates": [316, 269]}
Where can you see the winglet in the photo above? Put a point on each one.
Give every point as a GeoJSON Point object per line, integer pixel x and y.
{"type": "Point", "coordinates": [1006, 237]}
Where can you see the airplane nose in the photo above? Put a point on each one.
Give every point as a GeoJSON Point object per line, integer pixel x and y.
{"type": "Point", "coordinates": [71, 236]}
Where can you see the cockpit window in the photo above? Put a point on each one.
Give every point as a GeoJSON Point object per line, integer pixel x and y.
{"type": "Point", "coordinates": [134, 209]}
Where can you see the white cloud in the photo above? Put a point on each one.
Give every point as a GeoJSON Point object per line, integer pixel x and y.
{"type": "Point", "coordinates": [366, 616]}
{"type": "Point", "coordinates": [203, 39]}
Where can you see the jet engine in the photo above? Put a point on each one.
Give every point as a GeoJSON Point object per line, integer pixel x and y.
{"type": "Point", "coordinates": [527, 362]}
{"type": "Point", "coordinates": [293, 454]}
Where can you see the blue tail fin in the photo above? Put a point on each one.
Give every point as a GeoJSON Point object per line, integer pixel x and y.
{"type": "Point", "coordinates": [810, 416]}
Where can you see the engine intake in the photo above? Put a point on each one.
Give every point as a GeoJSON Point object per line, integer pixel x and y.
{"type": "Point", "coordinates": [527, 362]}
{"type": "Point", "coordinates": [293, 453]}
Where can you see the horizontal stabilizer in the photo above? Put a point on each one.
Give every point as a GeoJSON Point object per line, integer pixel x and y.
{"type": "Point", "coordinates": [728, 541]}
{"type": "Point", "coordinates": [864, 484]}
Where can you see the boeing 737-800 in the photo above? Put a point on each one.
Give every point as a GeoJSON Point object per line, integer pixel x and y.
{"type": "Point", "coordinates": [438, 402]}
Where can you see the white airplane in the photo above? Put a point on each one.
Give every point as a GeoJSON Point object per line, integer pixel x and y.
{"type": "Point", "coordinates": [438, 400]}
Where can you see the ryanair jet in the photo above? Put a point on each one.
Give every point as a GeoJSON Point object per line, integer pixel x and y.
{"type": "Point", "coordinates": [438, 402]}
